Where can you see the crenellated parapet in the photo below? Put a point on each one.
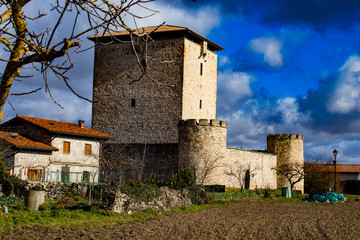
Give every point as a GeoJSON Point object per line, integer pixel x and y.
{"type": "Point", "coordinates": [202, 122]}
{"type": "Point", "coordinates": [284, 136]}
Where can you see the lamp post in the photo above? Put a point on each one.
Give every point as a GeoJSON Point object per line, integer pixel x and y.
{"type": "Point", "coordinates": [335, 154]}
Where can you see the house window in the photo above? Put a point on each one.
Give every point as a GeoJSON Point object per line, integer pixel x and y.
{"type": "Point", "coordinates": [34, 174]}
{"type": "Point", "coordinates": [200, 104]}
{"type": "Point", "coordinates": [87, 149]}
{"type": "Point", "coordinates": [201, 69]}
{"type": "Point", "coordinates": [66, 147]}
{"type": "Point", "coordinates": [86, 176]}
{"type": "Point", "coordinates": [132, 104]}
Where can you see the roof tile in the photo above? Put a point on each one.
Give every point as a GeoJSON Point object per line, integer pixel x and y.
{"type": "Point", "coordinates": [19, 141]}
{"type": "Point", "coordinates": [64, 127]}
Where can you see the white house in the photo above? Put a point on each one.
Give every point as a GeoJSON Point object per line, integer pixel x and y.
{"type": "Point", "coordinates": [38, 149]}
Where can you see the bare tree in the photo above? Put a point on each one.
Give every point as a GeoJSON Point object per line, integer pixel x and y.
{"type": "Point", "coordinates": [293, 172]}
{"type": "Point", "coordinates": [318, 175]}
{"type": "Point", "coordinates": [208, 164]}
{"type": "Point", "coordinates": [120, 161]}
{"type": "Point", "coordinates": [239, 171]}
{"type": "Point", "coordinates": [50, 49]}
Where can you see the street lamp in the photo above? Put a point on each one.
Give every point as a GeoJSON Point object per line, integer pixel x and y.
{"type": "Point", "coordinates": [335, 154]}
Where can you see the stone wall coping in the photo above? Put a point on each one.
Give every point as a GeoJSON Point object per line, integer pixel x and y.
{"type": "Point", "coordinates": [253, 151]}
{"type": "Point", "coordinates": [203, 122]}
{"type": "Point", "coordinates": [284, 136]}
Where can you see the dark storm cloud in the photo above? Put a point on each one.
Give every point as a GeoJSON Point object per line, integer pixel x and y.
{"type": "Point", "coordinates": [315, 104]}
{"type": "Point", "coordinates": [316, 13]}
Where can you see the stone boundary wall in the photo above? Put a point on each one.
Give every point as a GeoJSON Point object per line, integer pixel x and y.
{"type": "Point", "coordinates": [55, 190]}
{"type": "Point", "coordinates": [121, 203]}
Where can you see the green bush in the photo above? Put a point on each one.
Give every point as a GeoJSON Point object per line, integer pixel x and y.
{"type": "Point", "coordinates": [140, 191]}
{"type": "Point", "coordinates": [13, 185]}
{"type": "Point", "coordinates": [184, 178]}
{"type": "Point", "coordinates": [3, 173]}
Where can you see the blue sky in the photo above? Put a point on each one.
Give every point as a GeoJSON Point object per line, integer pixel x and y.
{"type": "Point", "coordinates": [287, 67]}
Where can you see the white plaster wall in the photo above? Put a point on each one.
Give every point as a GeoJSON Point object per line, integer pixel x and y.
{"type": "Point", "coordinates": [77, 155]}
{"type": "Point", "coordinates": [260, 165]}
{"type": "Point", "coordinates": [25, 160]}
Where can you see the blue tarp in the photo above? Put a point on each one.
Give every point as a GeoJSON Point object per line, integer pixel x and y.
{"type": "Point", "coordinates": [325, 197]}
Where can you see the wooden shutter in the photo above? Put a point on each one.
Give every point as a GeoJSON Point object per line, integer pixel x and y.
{"type": "Point", "coordinates": [66, 147]}
{"type": "Point", "coordinates": [87, 149]}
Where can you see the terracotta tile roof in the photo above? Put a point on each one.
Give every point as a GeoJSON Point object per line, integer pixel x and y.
{"type": "Point", "coordinates": [18, 141]}
{"type": "Point", "coordinates": [64, 127]}
{"type": "Point", "coordinates": [156, 29]}
{"type": "Point", "coordinates": [341, 168]}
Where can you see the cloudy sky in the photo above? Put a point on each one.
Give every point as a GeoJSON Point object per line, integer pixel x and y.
{"type": "Point", "coordinates": [287, 67]}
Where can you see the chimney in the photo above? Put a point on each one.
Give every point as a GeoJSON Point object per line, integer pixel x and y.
{"type": "Point", "coordinates": [81, 123]}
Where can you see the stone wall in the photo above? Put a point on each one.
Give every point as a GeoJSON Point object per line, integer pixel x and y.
{"type": "Point", "coordinates": [259, 164]}
{"type": "Point", "coordinates": [121, 203]}
{"type": "Point", "coordinates": [77, 157]}
{"type": "Point", "coordinates": [200, 77]}
{"type": "Point", "coordinates": [156, 108]}
{"type": "Point", "coordinates": [202, 143]}
{"type": "Point", "coordinates": [139, 161]}
{"type": "Point", "coordinates": [289, 150]}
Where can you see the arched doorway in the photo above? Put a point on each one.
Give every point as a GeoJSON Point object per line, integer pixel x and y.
{"type": "Point", "coordinates": [247, 179]}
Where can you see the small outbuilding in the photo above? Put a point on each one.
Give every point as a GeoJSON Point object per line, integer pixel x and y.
{"type": "Point", "coordinates": [37, 149]}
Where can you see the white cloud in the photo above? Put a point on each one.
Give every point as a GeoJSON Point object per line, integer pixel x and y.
{"type": "Point", "coordinates": [289, 110]}
{"type": "Point", "coordinates": [223, 60]}
{"type": "Point", "coordinates": [346, 97]}
{"type": "Point", "coordinates": [40, 105]}
{"type": "Point", "coordinates": [201, 20]}
{"type": "Point", "coordinates": [271, 48]}
{"type": "Point", "coordinates": [233, 86]}
{"type": "Point", "coordinates": [245, 130]}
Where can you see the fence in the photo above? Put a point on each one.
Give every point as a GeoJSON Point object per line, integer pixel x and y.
{"type": "Point", "coordinates": [70, 177]}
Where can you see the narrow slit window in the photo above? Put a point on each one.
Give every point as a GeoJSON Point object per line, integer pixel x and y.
{"type": "Point", "coordinates": [132, 104]}
{"type": "Point", "coordinates": [201, 69]}
{"type": "Point", "coordinates": [200, 104]}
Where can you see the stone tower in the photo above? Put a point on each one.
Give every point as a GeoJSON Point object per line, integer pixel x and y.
{"type": "Point", "coordinates": [202, 143]}
{"type": "Point", "coordinates": [181, 69]}
{"type": "Point", "coordinates": [289, 150]}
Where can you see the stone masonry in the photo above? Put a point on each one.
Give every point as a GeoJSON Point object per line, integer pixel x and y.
{"type": "Point", "coordinates": [171, 112]}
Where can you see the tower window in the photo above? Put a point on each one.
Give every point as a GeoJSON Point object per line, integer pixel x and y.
{"type": "Point", "coordinates": [200, 105]}
{"type": "Point", "coordinates": [132, 104]}
{"type": "Point", "coordinates": [201, 69]}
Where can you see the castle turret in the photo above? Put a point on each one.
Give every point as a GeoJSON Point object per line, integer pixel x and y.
{"type": "Point", "coordinates": [202, 144]}
{"type": "Point", "coordinates": [290, 151]}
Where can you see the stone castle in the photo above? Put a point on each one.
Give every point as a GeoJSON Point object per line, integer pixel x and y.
{"type": "Point", "coordinates": [165, 115]}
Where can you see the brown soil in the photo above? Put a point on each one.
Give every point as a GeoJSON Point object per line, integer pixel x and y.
{"type": "Point", "coordinates": [247, 220]}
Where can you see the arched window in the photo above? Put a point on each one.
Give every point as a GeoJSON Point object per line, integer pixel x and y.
{"type": "Point", "coordinates": [132, 104]}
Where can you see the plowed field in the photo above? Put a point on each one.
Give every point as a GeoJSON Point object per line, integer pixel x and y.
{"type": "Point", "coordinates": [246, 220]}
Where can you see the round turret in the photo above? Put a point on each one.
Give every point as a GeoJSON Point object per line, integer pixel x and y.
{"type": "Point", "coordinates": [201, 141]}
{"type": "Point", "coordinates": [289, 150]}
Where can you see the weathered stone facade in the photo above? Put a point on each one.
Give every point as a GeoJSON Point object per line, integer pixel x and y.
{"type": "Point", "coordinates": [169, 111]}
{"type": "Point", "coordinates": [289, 150]}
{"type": "Point", "coordinates": [203, 143]}
{"type": "Point", "coordinates": [135, 109]}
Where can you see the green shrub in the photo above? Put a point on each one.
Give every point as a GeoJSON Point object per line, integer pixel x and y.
{"type": "Point", "coordinates": [140, 191]}
{"type": "Point", "coordinates": [184, 178]}
{"type": "Point", "coordinates": [13, 185]}
{"type": "Point", "coordinates": [3, 173]}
